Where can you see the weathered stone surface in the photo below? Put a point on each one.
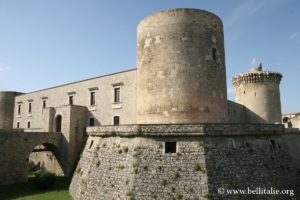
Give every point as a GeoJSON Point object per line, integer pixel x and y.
{"type": "Point", "coordinates": [259, 92]}
{"type": "Point", "coordinates": [15, 148]}
{"type": "Point", "coordinates": [181, 68]}
{"type": "Point", "coordinates": [119, 166]}
{"type": "Point", "coordinates": [7, 105]}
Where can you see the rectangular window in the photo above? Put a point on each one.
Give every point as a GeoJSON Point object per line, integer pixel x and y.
{"type": "Point", "coordinates": [28, 124]}
{"type": "Point", "coordinates": [71, 100]}
{"type": "Point", "coordinates": [29, 107]}
{"type": "Point", "coordinates": [116, 120]}
{"type": "Point", "coordinates": [19, 109]}
{"type": "Point", "coordinates": [170, 147]}
{"type": "Point", "coordinates": [92, 98]}
{"type": "Point", "coordinates": [117, 97]}
{"type": "Point", "coordinates": [18, 124]}
{"type": "Point", "coordinates": [44, 103]}
{"type": "Point", "coordinates": [92, 121]}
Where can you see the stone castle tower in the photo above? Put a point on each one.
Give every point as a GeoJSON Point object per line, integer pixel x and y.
{"type": "Point", "coordinates": [181, 74]}
{"type": "Point", "coordinates": [7, 103]}
{"type": "Point", "coordinates": [259, 92]}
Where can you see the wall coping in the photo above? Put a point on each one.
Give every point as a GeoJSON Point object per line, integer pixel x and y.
{"type": "Point", "coordinates": [151, 130]}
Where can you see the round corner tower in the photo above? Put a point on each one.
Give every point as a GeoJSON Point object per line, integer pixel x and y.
{"type": "Point", "coordinates": [181, 76]}
{"type": "Point", "coordinates": [7, 104]}
{"type": "Point", "coordinates": [259, 92]}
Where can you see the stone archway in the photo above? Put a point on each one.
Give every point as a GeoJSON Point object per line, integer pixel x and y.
{"type": "Point", "coordinates": [15, 148]}
{"type": "Point", "coordinates": [45, 157]}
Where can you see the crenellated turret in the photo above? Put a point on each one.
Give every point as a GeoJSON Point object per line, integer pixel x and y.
{"type": "Point", "coordinates": [259, 92]}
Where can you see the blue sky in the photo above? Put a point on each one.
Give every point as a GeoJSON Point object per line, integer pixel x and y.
{"type": "Point", "coordinates": [45, 43]}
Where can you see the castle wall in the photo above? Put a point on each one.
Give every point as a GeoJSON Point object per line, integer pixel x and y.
{"type": "Point", "coordinates": [103, 110]}
{"type": "Point", "coordinates": [181, 68]}
{"type": "Point", "coordinates": [7, 109]}
{"type": "Point", "coordinates": [15, 150]}
{"type": "Point", "coordinates": [130, 162]}
{"type": "Point", "coordinates": [235, 113]}
{"type": "Point", "coordinates": [72, 129]}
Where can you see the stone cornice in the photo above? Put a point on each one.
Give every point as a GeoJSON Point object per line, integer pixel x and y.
{"type": "Point", "coordinates": [167, 130]}
{"type": "Point", "coordinates": [257, 77]}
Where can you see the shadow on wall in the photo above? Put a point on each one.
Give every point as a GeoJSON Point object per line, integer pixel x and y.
{"type": "Point", "coordinates": [252, 117]}
{"type": "Point", "coordinates": [249, 164]}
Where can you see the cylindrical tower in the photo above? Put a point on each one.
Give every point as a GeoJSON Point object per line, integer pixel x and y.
{"type": "Point", "coordinates": [7, 102]}
{"type": "Point", "coordinates": [259, 92]}
{"type": "Point", "coordinates": [181, 74]}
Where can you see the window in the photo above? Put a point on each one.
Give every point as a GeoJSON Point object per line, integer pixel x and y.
{"type": "Point", "coordinates": [170, 147]}
{"type": "Point", "coordinates": [28, 124]}
{"type": "Point", "coordinates": [214, 53]}
{"type": "Point", "coordinates": [116, 120]}
{"type": "Point", "coordinates": [19, 109]}
{"type": "Point", "coordinates": [29, 107]}
{"type": "Point", "coordinates": [117, 97]}
{"type": "Point", "coordinates": [18, 124]}
{"type": "Point", "coordinates": [92, 98]}
{"type": "Point", "coordinates": [71, 100]}
{"type": "Point", "coordinates": [44, 103]}
{"type": "Point", "coordinates": [92, 121]}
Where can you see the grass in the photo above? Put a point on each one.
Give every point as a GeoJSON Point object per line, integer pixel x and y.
{"type": "Point", "coordinates": [29, 191]}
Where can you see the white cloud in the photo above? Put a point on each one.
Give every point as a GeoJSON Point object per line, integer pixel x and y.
{"type": "Point", "coordinates": [251, 8]}
{"type": "Point", "coordinates": [254, 62]}
{"type": "Point", "coordinates": [244, 11]}
{"type": "Point", "coordinates": [294, 35]}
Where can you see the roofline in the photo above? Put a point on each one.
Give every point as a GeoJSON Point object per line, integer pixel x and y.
{"type": "Point", "coordinates": [111, 74]}
{"type": "Point", "coordinates": [292, 113]}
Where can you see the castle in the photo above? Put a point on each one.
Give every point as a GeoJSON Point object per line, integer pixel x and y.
{"type": "Point", "coordinates": [162, 131]}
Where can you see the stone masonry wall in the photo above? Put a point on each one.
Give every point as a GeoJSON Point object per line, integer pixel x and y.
{"type": "Point", "coordinates": [15, 148]}
{"type": "Point", "coordinates": [127, 167]}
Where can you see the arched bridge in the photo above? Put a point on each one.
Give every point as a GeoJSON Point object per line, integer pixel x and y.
{"type": "Point", "coordinates": [15, 148]}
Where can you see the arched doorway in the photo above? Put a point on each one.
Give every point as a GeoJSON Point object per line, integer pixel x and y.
{"type": "Point", "coordinates": [58, 121]}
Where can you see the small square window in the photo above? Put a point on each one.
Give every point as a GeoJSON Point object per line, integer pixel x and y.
{"type": "Point", "coordinates": [170, 147]}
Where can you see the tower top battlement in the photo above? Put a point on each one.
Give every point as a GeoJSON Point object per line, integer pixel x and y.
{"type": "Point", "coordinates": [257, 75]}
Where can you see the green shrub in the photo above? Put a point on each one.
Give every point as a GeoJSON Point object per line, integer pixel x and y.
{"type": "Point", "coordinates": [44, 180]}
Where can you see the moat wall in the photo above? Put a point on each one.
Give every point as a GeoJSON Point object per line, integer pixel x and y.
{"type": "Point", "coordinates": [129, 162]}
